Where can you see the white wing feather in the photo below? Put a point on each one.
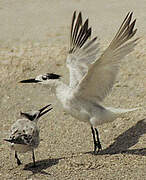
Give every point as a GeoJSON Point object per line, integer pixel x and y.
{"type": "Point", "coordinates": [83, 51]}
{"type": "Point", "coordinates": [100, 78]}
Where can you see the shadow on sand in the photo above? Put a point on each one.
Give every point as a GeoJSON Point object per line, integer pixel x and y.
{"type": "Point", "coordinates": [121, 145]}
{"type": "Point", "coordinates": [126, 140]}
{"type": "Point", "coordinates": [41, 166]}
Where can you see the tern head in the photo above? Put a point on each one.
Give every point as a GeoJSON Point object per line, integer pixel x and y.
{"type": "Point", "coordinates": [35, 115]}
{"type": "Point", "coordinates": [48, 78]}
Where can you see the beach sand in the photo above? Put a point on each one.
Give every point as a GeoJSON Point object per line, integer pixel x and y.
{"type": "Point", "coordinates": [34, 38]}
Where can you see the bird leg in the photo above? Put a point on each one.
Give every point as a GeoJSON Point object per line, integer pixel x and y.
{"type": "Point", "coordinates": [33, 157]}
{"type": "Point", "coordinates": [94, 140]}
{"type": "Point", "coordinates": [97, 143]}
{"type": "Point", "coordinates": [98, 140]}
{"type": "Point", "coordinates": [18, 160]}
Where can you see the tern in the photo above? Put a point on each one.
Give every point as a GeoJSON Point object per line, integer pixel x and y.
{"type": "Point", "coordinates": [24, 134]}
{"type": "Point", "coordinates": [91, 77]}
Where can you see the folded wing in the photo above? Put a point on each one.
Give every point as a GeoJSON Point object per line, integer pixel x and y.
{"type": "Point", "coordinates": [23, 132]}
{"type": "Point", "coordinates": [24, 139]}
{"type": "Point", "coordinates": [99, 80]}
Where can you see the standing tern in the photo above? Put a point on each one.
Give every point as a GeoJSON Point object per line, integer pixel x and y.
{"type": "Point", "coordinates": [24, 134]}
{"type": "Point", "coordinates": [91, 78]}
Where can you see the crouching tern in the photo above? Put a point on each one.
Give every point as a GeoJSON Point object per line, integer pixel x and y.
{"type": "Point", "coordinates": [91, 78]}
{"type": "Point", "coordinates": [24, 134]}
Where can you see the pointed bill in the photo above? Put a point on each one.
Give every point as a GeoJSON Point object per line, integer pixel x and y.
{"type": "Point", "coordinates": [42, 112]}
{"type": "Point", "coordinates": [30, 81]}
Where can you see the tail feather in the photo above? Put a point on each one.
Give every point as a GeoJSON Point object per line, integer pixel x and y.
{"type": "Point", "coordinates": [121, 111]}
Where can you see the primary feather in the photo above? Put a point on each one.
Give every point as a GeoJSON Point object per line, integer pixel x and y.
{"type": "Point", "coordinates": [82, 51]}
{"type": "Point", "coordinates": [99, 79]}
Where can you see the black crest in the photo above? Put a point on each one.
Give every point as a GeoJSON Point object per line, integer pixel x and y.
{"type": "Point", "coordinates": [28, 116]}
{"type": "Point", "coordinates": [52, 76]}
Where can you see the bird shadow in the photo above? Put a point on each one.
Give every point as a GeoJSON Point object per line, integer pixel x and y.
{"type": "Point", "coordinates": [126, 140]}
{"type": "Point", "coordinates": [41, 166]}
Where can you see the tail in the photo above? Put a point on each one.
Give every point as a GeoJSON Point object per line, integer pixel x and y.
{"type": "Point", "coordinates": [120, 111]}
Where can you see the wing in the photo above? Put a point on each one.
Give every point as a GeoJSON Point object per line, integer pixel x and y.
{"type": "Point", "coordinates": [20, 139]}
{"type": "Point", "coordinates": [23, 131]}
{"type": "Point", "coordinates": [101, 76]}
{"type": "Point", "coordinates": [82, 51]}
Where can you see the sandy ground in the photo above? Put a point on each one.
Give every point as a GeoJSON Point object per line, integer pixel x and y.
{"type": "Point", "coordinates": [34, 40]}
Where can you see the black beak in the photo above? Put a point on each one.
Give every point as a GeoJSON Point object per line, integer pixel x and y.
{"type": "Point", "coordinates": [30, 81]}
{"type": "Point", "coordinates": [42, 109]}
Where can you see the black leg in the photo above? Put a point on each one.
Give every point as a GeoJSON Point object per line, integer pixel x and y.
{"type": "Point", "coordinates": [94, 139]}
{"type": "Point", "coordinates": [98, 140]}
{"type": "Point", "coordinates": [18, 160]}
{"type": "Point", "coordinates": [33, 157]}
{"type": "Point", "coordinates": [97, 143]}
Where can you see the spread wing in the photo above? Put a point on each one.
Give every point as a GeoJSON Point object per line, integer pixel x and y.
{"type": "Point", "coordinates": [100, 78]}
{"type": "Point", "coordinates": [82, 51]}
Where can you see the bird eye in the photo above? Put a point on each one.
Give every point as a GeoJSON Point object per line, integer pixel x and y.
{"type": "Point", "coordinates": [44, 77]}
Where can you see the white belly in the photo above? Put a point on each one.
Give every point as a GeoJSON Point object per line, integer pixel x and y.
{"type": "Point", "coordinates": [76, 110]}
{"type": "Point", "coordinates": [21, 148]}
{"type": "Point", "coordinates": [85, 111]}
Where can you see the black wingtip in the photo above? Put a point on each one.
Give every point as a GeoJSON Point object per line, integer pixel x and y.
{"type": "Point", "coordinates": [8, 140]}
{"type": "Point", "coordinates": [74, 13]}
{"type": "Point", "coordinates": [80, 15]}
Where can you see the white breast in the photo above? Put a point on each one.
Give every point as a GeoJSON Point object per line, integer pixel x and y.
{"type": "Point", "coordinates": [21, 148]}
